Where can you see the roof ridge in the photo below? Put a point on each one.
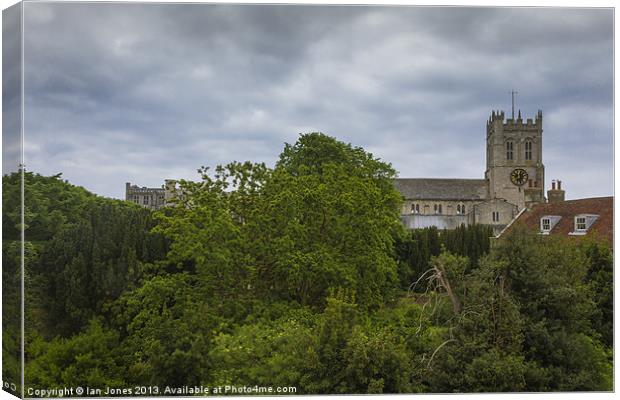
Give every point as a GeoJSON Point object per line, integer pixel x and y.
{"type": "Point", "coordinates": [588, 198]}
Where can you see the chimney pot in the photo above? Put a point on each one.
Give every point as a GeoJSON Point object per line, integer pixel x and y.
{"type": "Point", "coordinates": [559, 185]}
{"type": "Point", "coordinates": [553, 185]}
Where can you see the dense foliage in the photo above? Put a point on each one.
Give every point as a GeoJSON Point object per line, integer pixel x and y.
{"type": "Point", "coordinates": [415, 248]}
{"type": "Point", "coordinates": [299, 275]}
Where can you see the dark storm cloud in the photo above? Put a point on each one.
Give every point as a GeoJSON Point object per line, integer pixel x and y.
{"type": "Point", "coordinates": [143, 92]}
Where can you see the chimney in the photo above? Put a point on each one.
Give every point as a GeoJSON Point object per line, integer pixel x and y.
{"type": "Point", "coordinates": [555, 195]}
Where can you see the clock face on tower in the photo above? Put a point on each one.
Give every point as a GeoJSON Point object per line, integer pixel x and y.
{"type": "Point", "coordinates": [518, 176]}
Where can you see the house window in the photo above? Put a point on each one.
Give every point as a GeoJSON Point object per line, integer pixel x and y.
{"type": "Point", "coordinates": [583, 222]}
{"type": "Point", "coordinates": [435, 208]}
{"type": "Point", "coordinates": [458, 208]}
{"type": "Point", "coordinates": [548, 222]}
{"type": "Point", "coordinates": [415, 208]}
{"type": "Point", "coordinates": [495, 216]}
{"type": "Point", "coordinates": [145, 200]}
{"type": "Point", "coordinates": [462, 208]}
{"type": "Point", "coordinates": [580, 224]}
{"type": "Point", "coordinates": [528, 150]}
{"type": "Point", "coordinates": [508, 150]}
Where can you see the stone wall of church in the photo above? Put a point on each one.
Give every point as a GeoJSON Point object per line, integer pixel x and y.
{"type": "Point", "coordinates": [438, 207]}
{"type": "Point", "coordinates": [417, 221]}
{"type": "Point", "coordinates": [496, 212]}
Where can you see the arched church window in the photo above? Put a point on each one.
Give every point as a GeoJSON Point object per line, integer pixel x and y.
{"type": "Point", "coordinates": [458, 208]}
{"type": "Point", "coordinates": [509, 147]}
{"type": "Point", "coordinates": [462, 208]}
{"type": "Point", "coordinates": [528, 150]}
{"type": "Point", "coordinates": [439, 209]}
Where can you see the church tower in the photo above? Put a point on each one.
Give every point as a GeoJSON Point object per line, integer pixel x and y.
{"type": "Point", "coordinates": [515, 171]}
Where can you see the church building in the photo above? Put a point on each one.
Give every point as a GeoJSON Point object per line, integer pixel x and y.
{"type": "Point", "coordinates": [514, 180]}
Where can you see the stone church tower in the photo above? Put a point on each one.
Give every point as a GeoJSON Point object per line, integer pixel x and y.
{"type": "Point", "coordinates": [514, 180]}
{"type": "Point", "coordinates": [515, 171]}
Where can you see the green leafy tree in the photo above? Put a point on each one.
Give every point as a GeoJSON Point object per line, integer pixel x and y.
{"type": "Point", "coordinates": [328, 212]}
{"type": "Point", "coordinates": [600, 278]}
{"type": "Point", "coordinates": [526, 314]}
{"type": "Point", "coordinates": [167, 332]}
{"type": "Point", "coordinates": [91, 358]}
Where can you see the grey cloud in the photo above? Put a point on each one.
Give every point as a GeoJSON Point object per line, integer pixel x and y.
{"type": "Point", "coordinates": [142, 92]}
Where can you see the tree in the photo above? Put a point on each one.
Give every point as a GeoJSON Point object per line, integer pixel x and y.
{"type": "Point", "coordinates": [600, 279]}
{"type": "Point", "coordinates": [90, 358]}
{"type": "Point", "coordinates": [527, 307]}
{"type": "Point", "coordinates": [167, 331]}
{"type": "Point", "coordinates": [328, 211]}
{"type": "Point", "coordinates": [414, 249]}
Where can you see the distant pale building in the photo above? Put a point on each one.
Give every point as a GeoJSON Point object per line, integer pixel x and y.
{"type": "Point", "coordinates": [513, 180]}
{"type": "Point", "coordinates": [153, 198]}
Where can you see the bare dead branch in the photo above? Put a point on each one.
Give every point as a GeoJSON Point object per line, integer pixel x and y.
{"type": "Point", "coordinates": [428, 366]}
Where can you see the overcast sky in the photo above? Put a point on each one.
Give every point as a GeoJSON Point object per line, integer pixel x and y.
{"type": "Point", "coordinates": [138, 93]}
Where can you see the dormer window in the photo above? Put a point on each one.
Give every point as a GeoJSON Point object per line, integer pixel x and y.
{"type": "Point", "coordinates": [547, 222]}
{"type": "Point", "coordinates": [583, 222]}
{"type": "Point", "coordinates": [580, 224]}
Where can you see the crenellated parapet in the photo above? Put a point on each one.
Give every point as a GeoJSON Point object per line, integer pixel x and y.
{"type": "Point", "coordinates": [498, 123]}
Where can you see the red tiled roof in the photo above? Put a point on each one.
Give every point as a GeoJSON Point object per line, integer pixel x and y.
{"type": "Point", "coordinates": [601, 228]}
